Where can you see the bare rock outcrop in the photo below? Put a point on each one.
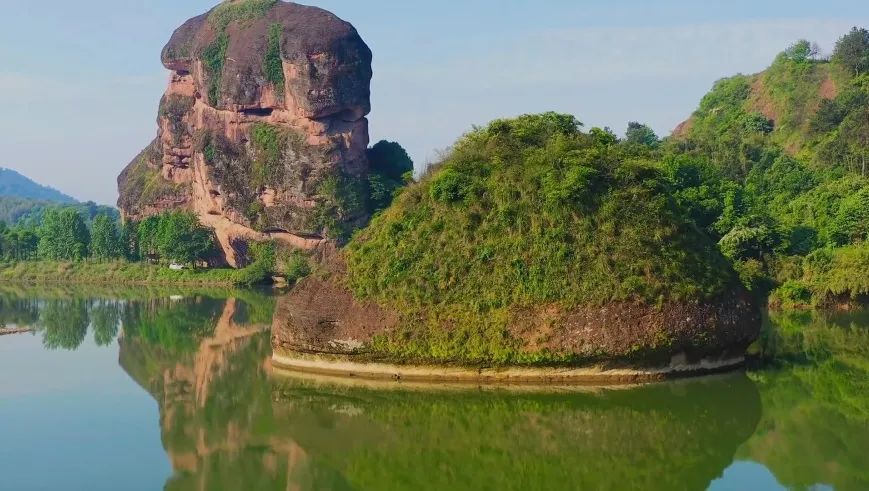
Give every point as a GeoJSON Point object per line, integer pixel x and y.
{"type": "Point", "coordinates": [262, 130]}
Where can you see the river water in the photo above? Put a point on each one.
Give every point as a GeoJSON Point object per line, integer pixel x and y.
{"type": "Point", "coordinates": [160, 389]}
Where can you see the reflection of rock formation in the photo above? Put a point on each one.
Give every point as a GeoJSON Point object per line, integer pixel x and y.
{"type": "Point", "coordinates": [205, 395]}
{"type": "Point", "coordinates": [245, 430]}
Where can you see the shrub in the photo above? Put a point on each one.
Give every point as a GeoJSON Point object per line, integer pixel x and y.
{"type": "Point", "coordinates": [791, 294]}
{"type": "Point", "coordinates": [273, 64]}
{"type": "Point", "coordinates": [451, 186]}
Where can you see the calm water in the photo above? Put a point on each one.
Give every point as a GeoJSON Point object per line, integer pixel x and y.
{"type": "Point", "coordinates": [165, 389]}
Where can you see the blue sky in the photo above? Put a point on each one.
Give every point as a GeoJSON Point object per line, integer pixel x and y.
{"type": "Point", "coordinates": [80, 80]}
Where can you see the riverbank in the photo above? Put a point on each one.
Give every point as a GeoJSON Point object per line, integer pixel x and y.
{"type": "Point", "coordinates": [114, 273]}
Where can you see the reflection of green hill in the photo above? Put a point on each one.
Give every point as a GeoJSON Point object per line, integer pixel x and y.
{"type": "Point", "coordinates": [674, 436]}
{"type": "Point", "coordinates": [815, 425]}
{"type": "Point", "coordinates": [239, 429]}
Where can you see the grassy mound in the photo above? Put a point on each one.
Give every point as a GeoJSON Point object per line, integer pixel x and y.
{"type": "Point", "coordinates": [529, 211]}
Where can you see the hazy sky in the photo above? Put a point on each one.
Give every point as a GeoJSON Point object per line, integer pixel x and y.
{"type": "Point", "coordinates": [80, 80]}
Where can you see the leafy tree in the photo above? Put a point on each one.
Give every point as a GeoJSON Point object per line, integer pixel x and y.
{"type": "Point", "coordinates": [146, 234]}
{"type": "Point", "coordinates": [181, 238]}
{"type": "Point", "coordinates": [391, 169]}
{"type": "Point", "coordinates": [855, 128]}
{"type": "Point", "coordinates": [802, 51]}
{"type": "Point", "coordinates": [604, 136]}
{"type": "Point", "coordinates": [745, 242]}
{"type": "Point", "coordinates": [828, 117]}
{"type": "Point", "coordinates": [852, 50]}
{"type": "Point", "coordinates": [129, 241]}
{"type": "Point", "coordinates": [18, 244]}
{"type": "Point", "coordinates": [390, 160]}
{"type": "Point", "coordinates": [640, 134]}
{"type": "Point", "coordinates": [698, 187]}
{"type": "Point", "coordinates": [535, 129]}
{"type": "Point", "coordinates": [852, 221]}
{"type": "Point", "coordinates": [105, 243]}
{"type": "Point", "coordinates": [63, 235]}
{"type": "Point", "coordinates": [736, 208]}
{"type": "Point", "coordinates": [757, 123]}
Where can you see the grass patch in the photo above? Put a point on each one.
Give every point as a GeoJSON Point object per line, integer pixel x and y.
{"type": "Point", "coordinates": [213, 59]}
{"type": "Point", "coordinates": [238, 11]}
{"type": "Point", "coordinates": [137, 273]}
{"type": "Point", "coordinates": [273, 65]}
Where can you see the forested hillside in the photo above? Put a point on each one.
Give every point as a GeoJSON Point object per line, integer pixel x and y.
{"type": "Point", "coordinates": [774, 166]}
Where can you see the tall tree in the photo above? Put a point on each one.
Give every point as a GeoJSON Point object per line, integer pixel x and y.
{"type": "Point", "coordinates": [105, 243]}
{"type": "Point", "coordinates": [640, 134]}
{"type": "Point", "coordinates": [852, 50]}
{"type": "Point", "coordinates": [391, 169]}
{"type": "Point", "coordinates": [63, 236]}
{"type": "Point", "coordinates": [181, 238]}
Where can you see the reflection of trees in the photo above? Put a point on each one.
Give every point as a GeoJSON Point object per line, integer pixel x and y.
{"type": "Point", "coordinates": [64, 323]}
{"type": "Point", "coordinates": [173, 325]}
{"type": "Point", "coordinates": [105, 320]}
{"type": "Point", "coordinates": [63, 315]}
{"type": "Point", "coordinates": [815, 426]}
{"type": "Point", "coordinates": [21, 312]}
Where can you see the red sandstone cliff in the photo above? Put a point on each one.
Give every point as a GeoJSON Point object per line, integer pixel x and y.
{"type": "Point", "coordinates": [262, 125]}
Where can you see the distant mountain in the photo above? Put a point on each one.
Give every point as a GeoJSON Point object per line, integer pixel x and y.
{"type": "Point", "coordinates": [14, 185]}
{"type": "Point", "coordinates": [28, 212]}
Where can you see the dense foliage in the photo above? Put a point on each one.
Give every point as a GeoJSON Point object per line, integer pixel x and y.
{"type": "Point", "coordinates": [773, 166]}
{"type": "Point", "coordinates": [527, 212]}
{"type": "Point", "coordinates": [533, 210]}
{"type": "Point", "coordinates": [176, 237]}
{"type": "Point", "coordinates": [27, 212]}
{"type": "Point", "coordinates": [391, 169]}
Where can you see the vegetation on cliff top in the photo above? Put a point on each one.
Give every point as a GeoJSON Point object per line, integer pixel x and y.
{"type": "Point", "coordinates": [214, 55]}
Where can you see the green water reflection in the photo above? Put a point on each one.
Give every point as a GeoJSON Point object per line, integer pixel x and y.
{"type": "Point", "coordinates": [228, 422]}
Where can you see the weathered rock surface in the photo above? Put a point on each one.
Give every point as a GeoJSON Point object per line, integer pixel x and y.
{"type": "Point", "coordinates": [321, 320]}
{"type": "Point", "coordinates": [262, 124]}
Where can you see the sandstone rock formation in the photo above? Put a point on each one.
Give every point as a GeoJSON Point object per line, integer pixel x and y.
{"type": "Point", "coordinates": [262, 130]}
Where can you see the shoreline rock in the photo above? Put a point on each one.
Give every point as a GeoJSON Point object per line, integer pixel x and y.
{"type": "Point", "coordinates": [319, 327]}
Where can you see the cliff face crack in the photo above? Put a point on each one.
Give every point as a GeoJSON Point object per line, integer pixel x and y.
{"type": "Point", "coordinates": [258, 112]}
